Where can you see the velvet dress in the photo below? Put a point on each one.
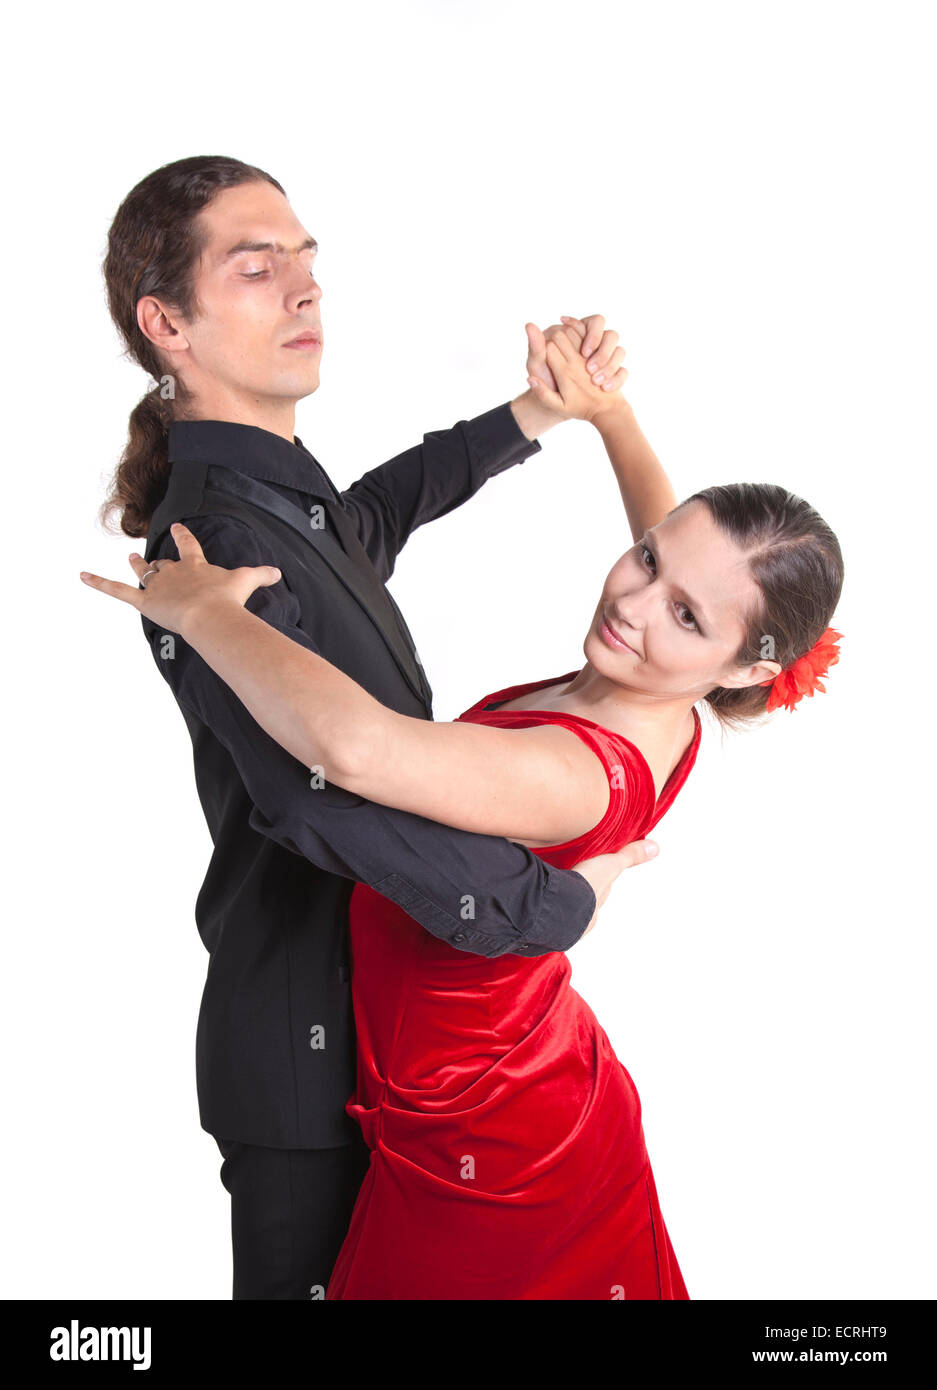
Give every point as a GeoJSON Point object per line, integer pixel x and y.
{"type": "Point", "coordinates": [508, 1158]}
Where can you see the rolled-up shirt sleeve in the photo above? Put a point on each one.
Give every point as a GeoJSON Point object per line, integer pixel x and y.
{"type": "Point", "coordinates": [481, 893]}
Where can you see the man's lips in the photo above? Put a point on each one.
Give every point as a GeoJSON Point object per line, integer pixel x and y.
{"type": "Point", "coordinates": [306, 340]}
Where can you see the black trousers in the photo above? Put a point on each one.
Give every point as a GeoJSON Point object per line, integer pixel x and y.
{"type": "Point", "coordinates": [290, 1210]}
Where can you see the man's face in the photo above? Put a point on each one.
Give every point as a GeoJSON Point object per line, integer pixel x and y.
{"type": "Point", "coordinates": [255, 289]}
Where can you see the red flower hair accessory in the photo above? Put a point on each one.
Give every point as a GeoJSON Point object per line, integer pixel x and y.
{"type": "Point", "coordinates": [790, 686]}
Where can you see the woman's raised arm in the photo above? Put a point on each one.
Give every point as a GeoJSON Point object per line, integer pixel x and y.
{"type": "Point", "coordinates": [645, 489]}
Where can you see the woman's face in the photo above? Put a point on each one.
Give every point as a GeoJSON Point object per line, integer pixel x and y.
{"type": "Point", "coordinates": [677, 599]}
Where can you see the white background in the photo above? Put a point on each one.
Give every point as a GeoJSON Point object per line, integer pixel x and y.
{"type": "Point", "coordinates": [745, 191]}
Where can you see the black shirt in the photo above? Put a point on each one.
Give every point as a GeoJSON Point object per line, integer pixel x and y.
{"type": "Point", "coordinates": [275, 1046]}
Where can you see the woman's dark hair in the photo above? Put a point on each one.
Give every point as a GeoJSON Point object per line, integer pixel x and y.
{"type": "Point", "coordinates": [795, 560]}
{"type": "Point", "coordinates": [153, 247]}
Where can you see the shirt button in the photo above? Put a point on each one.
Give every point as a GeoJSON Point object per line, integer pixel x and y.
{"type": "Point", "coordinates": [459, 936]}
{"type": "Point", "coordinates": [522, 945]}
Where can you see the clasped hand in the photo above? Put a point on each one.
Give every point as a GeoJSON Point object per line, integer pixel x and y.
{"type": "Point", "coordinates": [575, 368]}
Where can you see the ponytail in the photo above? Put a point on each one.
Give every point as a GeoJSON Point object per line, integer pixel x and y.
{"type": "Point", "coordinates": [141, 477]}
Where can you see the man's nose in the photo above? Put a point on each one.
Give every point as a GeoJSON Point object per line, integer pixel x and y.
{"type": "Point", "coordinates": [306, 285]}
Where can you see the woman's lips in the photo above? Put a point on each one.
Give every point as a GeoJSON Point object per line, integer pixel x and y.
{"type": "Point", "coordinates": [307, 344]}
{"type": "Point", "coordinates": [612, 641]}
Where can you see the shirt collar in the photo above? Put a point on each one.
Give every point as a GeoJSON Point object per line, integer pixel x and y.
{"type": "Point", "coordinates": [249, 449]}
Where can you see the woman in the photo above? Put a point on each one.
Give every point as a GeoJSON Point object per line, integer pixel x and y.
{"type": "Point", "coordinates": [507, 1152]}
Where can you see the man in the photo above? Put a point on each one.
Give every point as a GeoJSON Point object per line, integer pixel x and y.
{"type": "Point", "coordinates": [275, 1047]}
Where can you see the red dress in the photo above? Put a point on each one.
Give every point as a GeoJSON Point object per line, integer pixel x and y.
{"type": "Point", "coordinates": [507, 1151]}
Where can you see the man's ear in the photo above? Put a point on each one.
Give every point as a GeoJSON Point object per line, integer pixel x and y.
{"type": "Point", "coordinates": [155, 321]}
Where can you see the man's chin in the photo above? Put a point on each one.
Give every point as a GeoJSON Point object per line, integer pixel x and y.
{"type": "Point", "coordinates": [300, 386]}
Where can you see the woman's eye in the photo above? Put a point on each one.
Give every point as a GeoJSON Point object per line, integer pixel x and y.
{"type": "Point", "coordinates": [692, 621]}
{"type": "Point", "coordinates": [253, 274]}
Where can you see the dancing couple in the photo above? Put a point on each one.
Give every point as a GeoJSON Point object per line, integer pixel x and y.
{"type": "Point", "coordinates": [410, 1099]}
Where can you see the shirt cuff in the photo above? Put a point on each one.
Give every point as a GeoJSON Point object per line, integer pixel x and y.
{"type": "Point", "coordinates": [564, 915]}
{"type": "Point", "coordinates": [497, 441]}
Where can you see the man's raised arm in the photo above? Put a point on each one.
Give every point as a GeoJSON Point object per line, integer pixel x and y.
{"type": "Point", "coordinates": [430, 479]}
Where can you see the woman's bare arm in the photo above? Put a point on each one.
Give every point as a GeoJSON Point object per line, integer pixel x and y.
{"type": "Point", "coordinates": [541, 783]}
{"type": "Point", "coordinates": [645, 489]}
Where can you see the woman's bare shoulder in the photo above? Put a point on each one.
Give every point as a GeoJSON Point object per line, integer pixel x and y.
{"type": "Point", "coordinates": [585, 784]}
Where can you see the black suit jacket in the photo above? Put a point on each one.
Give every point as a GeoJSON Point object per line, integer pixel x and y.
{"type": "Point", "coordinates": [275, 1045]}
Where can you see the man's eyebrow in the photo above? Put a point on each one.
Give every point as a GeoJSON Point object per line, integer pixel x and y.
{"type": "Point", "coordinates": [310, 244]}
{"type": "Point", "coordinates": [698, 611]}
